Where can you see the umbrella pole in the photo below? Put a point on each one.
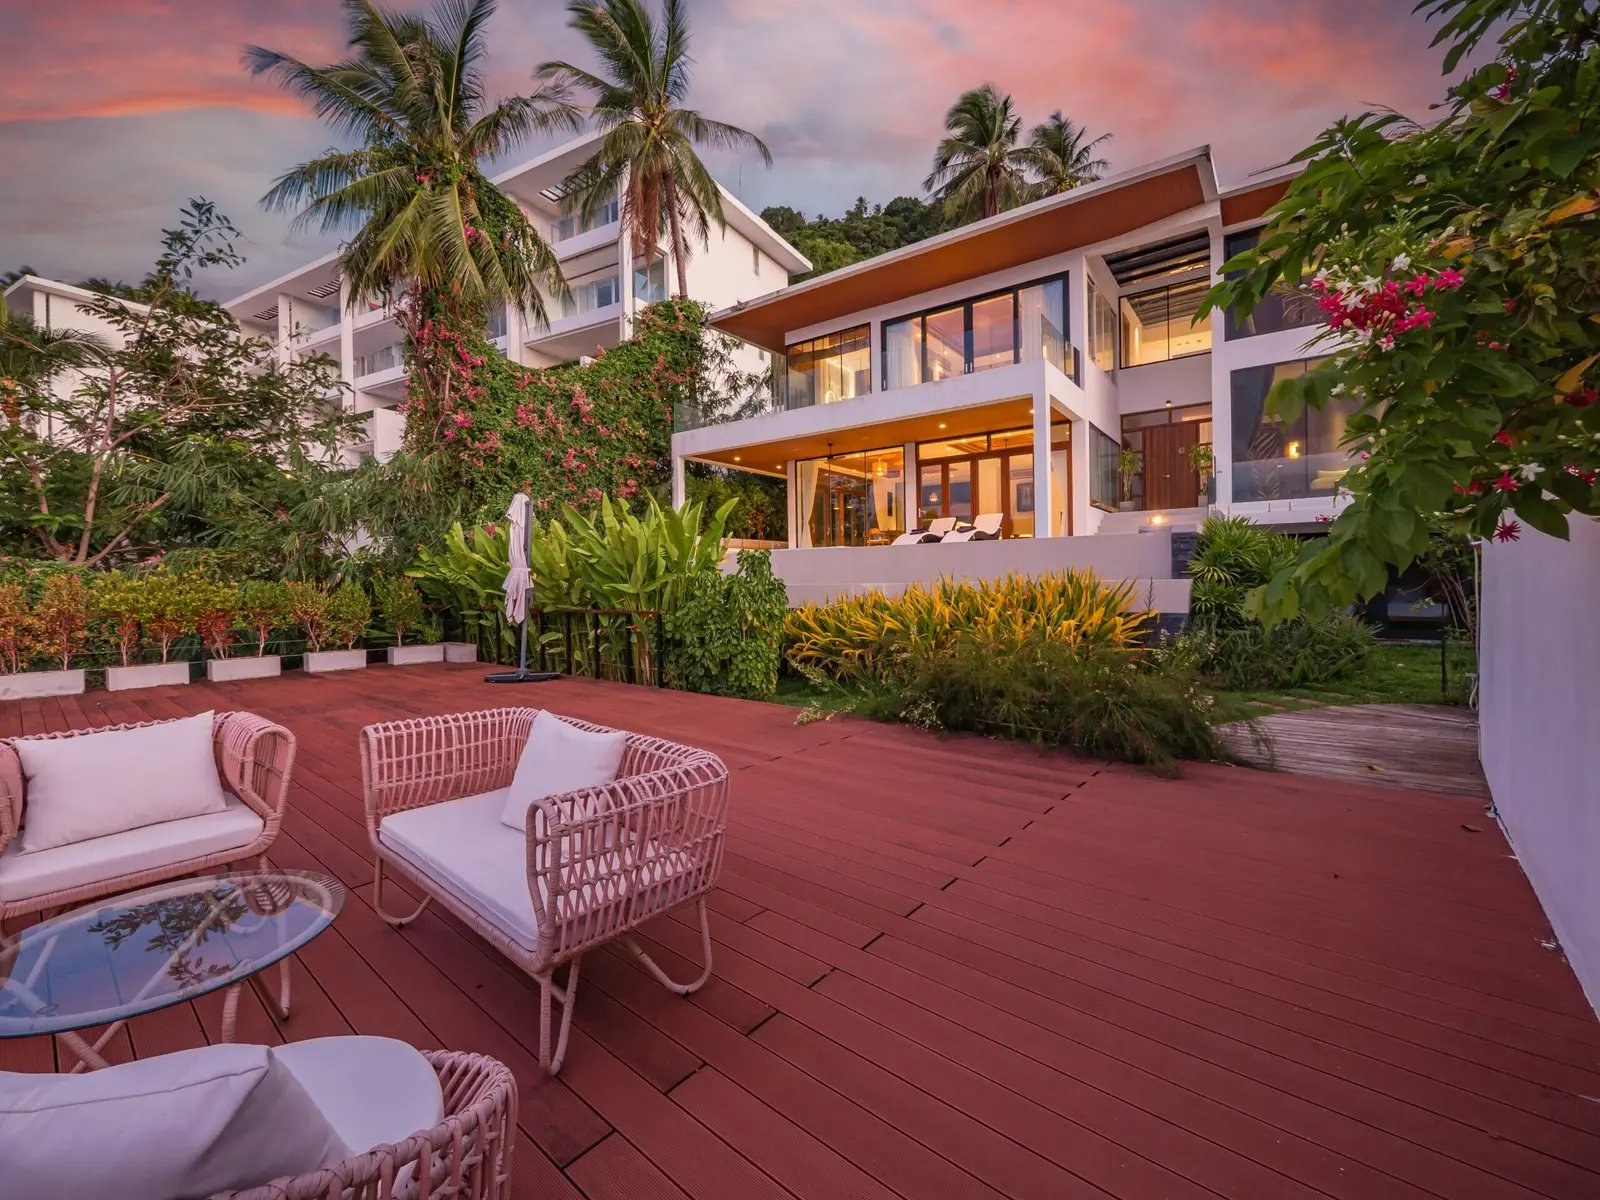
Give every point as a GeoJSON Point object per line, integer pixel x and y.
{"type": "Point", "coordinates": [522, 674]}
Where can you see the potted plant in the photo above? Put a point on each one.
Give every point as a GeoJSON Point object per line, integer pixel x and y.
{"type": "Point", "coordinates": [342, 621]}
{"type": "Point", "coordinates": [1204, 461]}
{"type": "Point", "coordinates": [263, 609]}
{"type": "Point", "coordinates": [117, 603]}
{"type": "Point", "coordinates": [400, 604]}
{"type": "Point", "coordinates": [55, 629]}
{"type": "Point", "coordinates": [164, 605]}
{"type": "Point", "coordinates": [1129, 463]}
{"type": "Point", "coordinates": [16, 638]}
{"type": "Point", "coordinates": [216, 615]}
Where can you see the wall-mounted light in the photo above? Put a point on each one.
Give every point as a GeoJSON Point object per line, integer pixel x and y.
{"type": "Point", "coordinates": [1292, 450]}
{"type": "Point", "coordinates": [1158, 519]}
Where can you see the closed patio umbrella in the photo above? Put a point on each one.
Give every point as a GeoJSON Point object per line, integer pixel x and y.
{"type": "Point", "coordinates": [517, 583]}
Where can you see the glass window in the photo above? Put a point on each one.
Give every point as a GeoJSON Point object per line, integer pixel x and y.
{"type": "Point", "coordinates": [946, 334]}
{"type": "Point", "coordinates": [1280, 309]}
{"type": "Point", "coordinates": [1042, 323]}
{"type": "Point", "coordinates": [1104, 485]}
{"type": "Point", "coordinates": [1160, 325]}
{"type": "Point", "coordinates": [1102, 330]}
{"type": "Point", "coordinates": [1275, 460]}
{"type": "Point", "coordinates": [954, 448]}
{"type": "Point", "coordinates": [1019, 482]}
{"type": "Point", "coordinates": [994, 342]}
{"type": "Point", "coordinates": [958, 481]}
{"type": "Point", "coordinates": [853, 499]}
{"type": "Point", "coordinates": [836, 366]}
{"type": "Point", "coordinates": [496, 327]}
{"type": "Point", "coordinates": [1023, 325]}
{"type": "Point", "coordinates": [650, 283]}
{"type": "Point", "coordinates": [902, 353]}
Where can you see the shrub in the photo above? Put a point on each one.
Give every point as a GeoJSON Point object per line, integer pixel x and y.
{"type": "Point", "coordinates": [726, 632]}
{"type": "Point", "coordinates": [870, 636]}
{"type": "Point", "coordinates": [308, 608]}
{"type": "Point", "coordinates": [1292, 654]}
{"type": "Point", "coordinates": [16, 628]}
{"type": "Point", "coordinates": [1096, 700]}
{"type": "Point", "coordinates": [264, 609]}
{"type": "Point", "coordinates": [118, 603]}
{"type": "Point", "coordinates": [1233, 557]}
{"type": "Point", "coordinates": [400, 603]}
{"type": "Point", "coordinates": [169, 606]}
{"type": "Point", "coordinates": [216, 607]}
{"type": "Point", "coordinates": [61, 618]}
{"type": "Point", "coordinates": [348, 613]}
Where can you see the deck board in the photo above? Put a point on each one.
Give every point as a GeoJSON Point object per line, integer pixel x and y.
{"type": "Point", "coordinates": [964, 968]}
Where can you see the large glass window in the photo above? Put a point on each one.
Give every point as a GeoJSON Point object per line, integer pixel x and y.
{"type": "Point", "coordinates": [1278, 460]}
{"type": "Point", "coordinates": [650, 283]}
{"type": "Point", "coordinates": [575, 223]}
{"type": "Point", "coordinates": [991, 474]}
{"type": "Point", "coordinates": [853, 499]}
{"type": "Point", "coordinates": [836, 366]}
{"type": "Point", "coordinates": [1280, 309]}
{"type": "Point", "coordinates": [1023, 325]}
{"type": "Point", "coordinates": [1160, 324]}
{"type": "Point", "coordinates": [1105, 489]}
{"type": "Point", "coordinates": [591, 294]}
{"type": "Point", "coordinates": [1102, 330]}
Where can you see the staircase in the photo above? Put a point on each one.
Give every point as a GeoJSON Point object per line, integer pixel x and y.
{"type": "Point", "coordinates": [1177, 519]}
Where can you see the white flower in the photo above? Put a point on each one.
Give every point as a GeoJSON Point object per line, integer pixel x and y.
{"type": "Point", "coordinates": [1342, 286]}
{"type": "Point", "coordinates": [1321, 276]}
{"type": "Point", "coordinates": [1531, 471]}
{"type": "Point", "coordinates": [1402, 262]}
{"type": "Point", "coordinates": [1336, 390]}
{"type": "Point", "coordinates": [1371, 284]}
{"type": "Point", "coordinates": [1352, 299]}
{"type": "Point", "coordinates": [1420, 181]}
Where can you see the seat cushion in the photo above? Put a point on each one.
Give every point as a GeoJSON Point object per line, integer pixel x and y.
{"type": "Point", "coordinates": [374, 1091]}
{"type": "Point", "coordinates": [184, 1124]}
{"type": "Point", "coordinates": [115, 855]}
{"type": "Point", "coordinates": [465, 849]}
{"type": "Point", "coordinates": [559, 758]}
{"type": "Point", "coordinates": [96, 784]}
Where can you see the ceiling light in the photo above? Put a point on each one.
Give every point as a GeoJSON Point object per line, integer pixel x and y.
{"type": "Point", "coordinates": [941, 424]}
{"type": "Point", "coordinates": [735, 458]}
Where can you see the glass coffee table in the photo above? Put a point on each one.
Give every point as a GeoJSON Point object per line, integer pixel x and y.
{"type": "Point", "coordinates": [116, 959]}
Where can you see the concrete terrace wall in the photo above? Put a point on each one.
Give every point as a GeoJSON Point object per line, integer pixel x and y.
{"type": "Point", "coordinates": [1143, 558]}
{"type": "Point", "coordinates": [1539, 674]}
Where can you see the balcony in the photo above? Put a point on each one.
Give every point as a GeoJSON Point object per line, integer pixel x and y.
{"type": "Point", "coordinates": [379, 361]}
{"type": "Point", "coordinates": [571, 235]}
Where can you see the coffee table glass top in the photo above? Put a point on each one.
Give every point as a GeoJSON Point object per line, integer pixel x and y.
{"type": "Point", "coordinates": [160, 946]}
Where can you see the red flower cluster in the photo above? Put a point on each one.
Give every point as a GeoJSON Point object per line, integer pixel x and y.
{"type": "Point", "coordinates": [1385, 309]}
{"type": "Point", "coordinates": [1507, 531]}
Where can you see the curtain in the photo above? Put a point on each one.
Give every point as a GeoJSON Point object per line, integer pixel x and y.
{"type": "Point", "coordinates": [902, 353]}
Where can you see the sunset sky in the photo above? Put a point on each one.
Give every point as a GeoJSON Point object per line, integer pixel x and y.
{"type": "Point", "coordinates": [113, 111]}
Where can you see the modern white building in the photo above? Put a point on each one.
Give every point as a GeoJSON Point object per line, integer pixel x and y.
{"type": "Point", "coordinates": [309, 311]}
{"type": "Point", "coordinates": [1004, 369]}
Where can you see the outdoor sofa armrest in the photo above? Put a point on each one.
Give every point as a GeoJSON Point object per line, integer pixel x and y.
{"type": "Point", "coordinates": [10, 794]}
{"type": "Point", "coordinates": [254, 759]}
{"type": "Point", "coordinates": [428, 760]}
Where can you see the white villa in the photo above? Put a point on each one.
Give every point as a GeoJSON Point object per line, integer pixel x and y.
{"type": "Point", "coordinates": [1000, 370]}
{"type": "Point", "coordinates": [308, 311]}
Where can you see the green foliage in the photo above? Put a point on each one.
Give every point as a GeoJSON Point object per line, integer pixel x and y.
{"type": "Point", "coordinates": [465, 577]}
{"type": "Point", "coordinates": [724, 631]}
{"type": "Point", "coordinates": [1291, 654]}
{"type": "Point", "coordinates": [118, 606]}
{"type": "Point", "coordinates": [60, 619]}
{"type": "Point", "coordinates": [1097, 701]}
{"type": "Point", "coordinates": [348, 614]}
{"type": "Point", "coordinates": [216, 607]}
{"type": "Point", "coordinates": [760, 502]}
{"type": "Point", "coordinates": [862, 232]}
{"type": "Point", "coordinates": [1481, 415]}
{"type": "Point", "coordinates": [263, 609]}
{"type": "Point", "coordinates": [170, 606]}
{"type": "Point", "coordinates": [16, 626]}
{"type": "Point", "coordinates": [400, 604]}
{"type": "Point", "coordinates": [308, 608]}
{"type": "Point", "coordinates": [1233, 556]}
{"type": "Point", "coordinates": [979, 169]}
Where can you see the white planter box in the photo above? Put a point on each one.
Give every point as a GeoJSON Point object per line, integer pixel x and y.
{"type": "Point", "coordinates": [317, 661]}
{"type": "Point", "coordinates": [146, 675]}
{"type": "Point", "coordinates": [405, 656]}
{"type": "Point", "coordinates": [31, 684]}
{"type": "Point", "coordinates": [461, 651]}
{"type": "Point", "coordinates": [224, 670]}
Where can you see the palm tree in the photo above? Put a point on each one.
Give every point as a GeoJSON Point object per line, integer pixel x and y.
{"type": "Point", "coordinates": [429, 223]}
{"type": "Point", "coordinates": [30, 357]}
{"type": "Point", "coordinates": [978, 169]}
{"type": "Point", "coordinates": [1061, 158]}
{"type": "Point", "coordinates": [647, 154]}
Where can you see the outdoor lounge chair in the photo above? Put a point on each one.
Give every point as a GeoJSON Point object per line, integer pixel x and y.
{"type": "Point", "coordinates": [986, 528]}
{"type": "Point", "coordinates": [935, 532]}
{"type": "Point", "coordinates": [593, 864]}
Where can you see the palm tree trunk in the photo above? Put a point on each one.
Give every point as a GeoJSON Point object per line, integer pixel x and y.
{"type": "Point", "coordinates": [669, 186]}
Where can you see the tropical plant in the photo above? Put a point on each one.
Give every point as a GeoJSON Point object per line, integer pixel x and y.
{"type": "Point", "coordinates": [1456, 264]}
{"type": "Point", "coordinates": [1062, 155]}
{"type": "Point", "coordinates": [870, 636]}
{"type": "Point", "coordinates": [1232, 557]}
{"type": "Point", "coordinates": [725, 631]}
{"type": "Point", "coordinates": [465, 577]}
{"type": "Point", "coordinates": [263, 609]}
{"type": "Point", "coordinates": [647, 154]}
{"type": "Point", "coordinates": [348, 614]}
{"type": "Point", "coordinates": [60, 618]}
{"type": "Point", "coordinates": [428, 222]}
{"type": "Point", "coordinates": [978, 168]}
{"type": "Point", "coordinates": [16, 628]}
{"type": "Point", "coordinates": [1129, 463]}
{"type": "Point", "coordinates": [308, 608]}
{"type": "Point", "coordinates": [1203, 458]}
{"type": "Point", "coordinates": [169, 606]}
{"type": "Point", "coordinates": [31, 358]}
{"type": "Point", "coordinates": [117, 602]}
{"type": "Point", "coordinates": [216, 608]}
{"type": "Point", "coordinates": [1300, 653]}
{"type": "Point", "coordinates": [400, 604]}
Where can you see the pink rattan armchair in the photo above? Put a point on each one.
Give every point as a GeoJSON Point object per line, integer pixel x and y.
{"type": "Point", "coordinates": [654, 844]}
{"type": "Point", "coordinates": [467, 1156]}
{"type": "Point", "coordinates": [254, 759]}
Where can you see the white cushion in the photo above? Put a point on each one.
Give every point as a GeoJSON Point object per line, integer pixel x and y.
{"type": "Point", "coordinates": [100, 783]}
{"type": "Point", "coordinates": [118, 854]}
{"type": "Point", "coordinates": [176, 1125]}
{"type": "Point", "coordinates": [561, 758]}
{"type": "Point", "coordinates": [465, 849]}
{"type": "Point", "coordinates": [374, 1091]}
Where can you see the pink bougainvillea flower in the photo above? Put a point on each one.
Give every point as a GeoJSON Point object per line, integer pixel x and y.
{"type": "Point", "coordinates": [1507, 531]}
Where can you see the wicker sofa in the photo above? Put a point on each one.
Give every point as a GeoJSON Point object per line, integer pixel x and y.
{"type": "Point", "coordinates": [254, 758]}
{"type": "Point", "coordinates": [434, 789]}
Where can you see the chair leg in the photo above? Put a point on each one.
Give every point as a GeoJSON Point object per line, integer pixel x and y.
{"type": "Point", "coordinates": [549, 993]}
{"type": "Point", "coordinates": [377, 901]}
{"type": "Point", "coordinates": [661, 977]}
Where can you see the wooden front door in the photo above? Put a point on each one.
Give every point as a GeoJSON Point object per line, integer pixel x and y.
{"type": "Point", "coordinates": [1170, 480]}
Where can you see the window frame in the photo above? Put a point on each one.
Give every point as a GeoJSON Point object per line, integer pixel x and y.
{"type": "Point", "coordinates": [841, 333]}
{"type": "Point", "coordinates": [966, 304]}
{"type": "Point", "coordinates": [1122, 342]}
{"type": "Point", "coordinates": [1233, 329]}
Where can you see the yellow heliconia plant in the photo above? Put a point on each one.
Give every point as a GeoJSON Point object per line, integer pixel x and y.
{"type": "Point", "coordinates": [867, 635]}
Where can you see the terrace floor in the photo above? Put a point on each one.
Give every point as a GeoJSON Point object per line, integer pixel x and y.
{"type": "Point", "coordinates": [959, 968]}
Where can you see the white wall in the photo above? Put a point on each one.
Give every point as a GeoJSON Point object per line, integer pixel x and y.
{"type": "Point", "coordinates": [1181, 381]}
{"type": "Point", "coordinates": [1539, 673]}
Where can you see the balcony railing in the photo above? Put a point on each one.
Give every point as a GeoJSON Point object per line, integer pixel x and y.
{"type": "Point", "coordinates": [378, 360]}
{"type": "Point", "coordinates": [587, 297]}
{"type": "Point", "coordinates": [573, 224]}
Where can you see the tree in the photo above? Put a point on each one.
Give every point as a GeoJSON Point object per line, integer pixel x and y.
{"type": "Point", "coordinates": [428, 222]}
{"type": "Point", "coordinates": [647, 152]}
{"type": "Point", "coordinates": [1059, 155]}
{"type": "Point", "coordinates": [31, 358]}
{"type": "Point", "coordinates": [1457, 266]}
{"type": "Point", "coordinates": [183, 419]}
{"type": "Point", "coordinates": [978, 168]}
{"type": "Point", "coordinates": [862, 232]}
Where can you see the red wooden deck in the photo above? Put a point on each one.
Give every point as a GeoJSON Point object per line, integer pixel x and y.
{"type": "Point", "coordinates": [959, 968]}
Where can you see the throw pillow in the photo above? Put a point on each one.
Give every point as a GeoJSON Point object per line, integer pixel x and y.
{"type": "Point", "coordinates": [560, 758]}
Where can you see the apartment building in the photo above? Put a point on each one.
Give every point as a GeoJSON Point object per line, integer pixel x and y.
{"type": "Point", "coordinates": [310, 310]}
{"type": "Point", "coordinates": [1043, 368]}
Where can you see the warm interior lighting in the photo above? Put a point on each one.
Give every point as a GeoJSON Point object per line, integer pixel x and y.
{"type": "Point", "coordinates": [941, 424]}
{"type": "Point", "coordinates": [1293, 450]}
{"type": "Point", "coordinates": [1158, 519]}
{"type": "Point", "coordinates": [880, 468]}
{"type": "Point", "coordinates": [735, 458]}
